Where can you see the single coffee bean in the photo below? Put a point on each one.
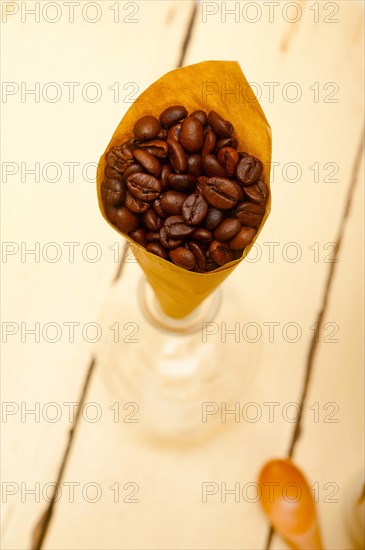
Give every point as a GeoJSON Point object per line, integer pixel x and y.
{"type": "Point", "coordinates": [165, 172]}
{"type": "Point", "coordinates": [194, 209]}
{"type": "Point", "coordinates": [220, 253]}
{"type": "Point", "coordinates": [111, 173]}
{"type": "Point", "coordinates": [153, 236]}
{"type": "Point", "coordinates": [148, 161]}
{"type": "Point", "coordinates": [132, 169]}
{"type": "Point", "coordinates": [144, 186]}
{"type": "Point", "coordinates": [191, 135]}
{"type": "Point", "coordinates": [135, 205]}
{"type": "Point", "coordinates": [182, 257]}
{"type": "Point", "coordinates": [228, 158]}
{"type": "Point", "coordinates": [194, 167]}
{"type": "Point", "coordinates": [139, 235]}
{"type": "Point", "coordinates": [199, 255]}
{"type": "Point", "coordinates": [110, 212]}
{"type": "Point", "coordinates": [169, 242]}
{"type": "Point", "coordinates": [257, 192]}
{"type": "Point", "coordinates": [146, 128]}
{"type": "Point", "coordinates": [222, 193]}
{"type": "Point", "coordinates": [243, 238]}
{"type": "Point", "coordinates": [210, 140]}
{"type": "Point", "coordinates": [112, 192]}
{"type": "Point", "coordinates": [157, 249]}
{"type": "Point", "coordinates": [214, 218]}
{"type": "Point", "coordinates": [178, 157]}
{"type": "Point", "coordinates": [181, 182]}
{"type": "Point", "coordinates": [201, 116]}
{"type": "Point", "coordinates": [212, 166]}
{"type": "Point", "coordinates": [221, 127]}
{"type": "Point", "coordinates": [202, 235]}
{"type": "Point", "coordinates": [172, 115]}
{"type": "Point", "coordinates": [126, 220]}
{"type": "Point", "coordinates": [158, 209]}
{"type": "Point", "coordinates": [156, 147]}
{"type": "Point", "coordinates": [176, 227]}
{"type": "Point", "coordinates": [248, 170]}
{"type": "Point", "coordinates": [202, 180]}
{"type": "Point", "coordinates": [174, 132]}
{"type": "Point", "coordinates": [226, 142]}
{"type": "Point", "coordinates": [227, 229]}
{"type": "Point", "coordinates": [250, 214]}
{"type": "Point", "coordinates": [119, 160]}
{"type": "Point", "coordinates": [172, 201]}
{"type": "Point", "coordinates": [152, 220]}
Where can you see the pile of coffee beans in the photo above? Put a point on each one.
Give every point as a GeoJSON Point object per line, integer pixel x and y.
{"type": "Point", "coordinates": [181, 189]}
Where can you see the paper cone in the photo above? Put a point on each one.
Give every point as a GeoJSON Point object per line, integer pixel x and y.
{"type": "Point", "coordinates": [204, 86]}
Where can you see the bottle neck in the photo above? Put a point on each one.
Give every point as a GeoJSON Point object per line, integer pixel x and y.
{"type": "Point", "coordinates": [151, 309]}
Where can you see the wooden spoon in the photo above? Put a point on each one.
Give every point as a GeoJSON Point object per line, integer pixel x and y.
{"type": "Point", "coordinates": [288, 502]}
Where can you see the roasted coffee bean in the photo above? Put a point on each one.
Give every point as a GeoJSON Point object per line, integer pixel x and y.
{"type": "Point", "coordinates": [172, 201]}
{"type": "Point", "coordinates": [199, 255]}
{"type": "Point", "coordinates": [202, 180]}
{"type": "Point", "coordinates": [118, 159]}
{"type": "Point", "coordinates": [257, 192]}
{"type": "Point", "coordinates": [111, 173]}
{"type": "Point", "coordinates": [222, 193]}
{"type": "Point", "coordinates": [174, 132]}
{"type": "Point", "coordinates": [228, 158]}
{"type": "Point", "coordinates": [172, 115]}
{"type": "Point", "coordinates": [220, 253]}
{"type": "Point", "coordinates": [214, 218]}
{"type": "Point", "coordinates": [152, 220]}
{"type": "Point", "coordinates": [183, 257]}
{"type": "Point", "coordinates": [139, 235]}
{"type": "Point", "coordinates": [202, 235]}
{"type": "Point", "coordinates": [177, 155]}
{"type": "Point", "coordinates": [212, 166]}
{"type": "Point", "coordinates": [156, 147]}
{"type": "Point", "coordinates": [248, 170]}
{"type": "Point", "coordinates": [153, 236]}
{"type": "Point", "coordinates": [126, 220]}
{"type": "Point", "coordinates": [176, 227]}
{"type": "Point", "coordinates": [135, 205]}
{"type": "Point", "coordinates": [250, 214]}
{"type": "Point", "coordinates": [191, 135]}
{"type": "Point", "coordinates": [148, 161]}
{"type": "Point", "coordinates": [221, 127]}
{"type": "Point", "coordinates": [157, 249]}
{"type": "Point", "coordinates": [165, 172]}
{"type": "Point", "coordinates": [243, 238]}
{"type": "Point", "coordinates": [169, 242]}
{"type": "Point", "coordinates": [201, 116]}
{"type": "Point", "coordinates": [144, 186]}
{"type": "Point", "coordinates": [194, 209]}
{"type": "Point", "coordinates": [210, 140]}
{"type": "Point", "coordinates": [146, 128]}
{"type": "Point", "coordinates": [132, 169]}
{"type": "Point", "coordinates": [110, 212]}
{"type": "Point", "coordinates": [226, 142]}
{"type": "Point", "coordinates": [227, 229]}
{"type": "Point", "coordinates": [181, 182]}
{"type": "Point", "coordinates": [112, 192]}
{"type": "Point", "coordinates": [158, 209]}
{"type": "Point", "coordinates": [194, 167]}
{"type": "Point", "coordinates": [211, 266]}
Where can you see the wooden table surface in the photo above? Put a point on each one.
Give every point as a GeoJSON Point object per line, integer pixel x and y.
{"type": "Point", "coordinates": [305, 61]}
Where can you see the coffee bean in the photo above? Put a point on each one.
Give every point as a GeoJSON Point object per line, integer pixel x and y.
{"type": "Point", "coordinates": [169, 242]}
{"type": "Point", "coordinates": [158, 209]}
{"type": "Point", "coordinates": [153, 236]}
{"type": "Point", "coordinates": [118, 159]}
{"type": "Point", "coordinates": [210, 140]}
{"type": "Point", "coordinates": [212, 167]}
{"type": "Point", "coordinates": [132, 169]}
{"type": "Point", "coordinates": [174, 132]}
{"type": "Point", "coordinates": [126, 220]}
{"type": "Point", "coordinates": [176, 227]}
{"type": "Point", "coordinates": [222, 193]}
{"type": "Point", "coordinates": [148, 161]}
{"type": "Point", "coordinates": [111, 173]}
{"type": "Point", "coordinates": [110, 212]}
{"type": "Point", "coordinates": [257, 192]}
{"type": "Point", "coordinates": [194, 209]}
{"type": "Point", "coordinates": [221, 127]}
{"type": "Point", "coordinates": [227, 229]}
{"type": "Point", "coordinates": [220, 253]}
{"type": "Point", "coordinates": [191, 135]}
{"type": "Point", "coordinates": [228, 158]}
{"type": "Point", "coordinates": [178, 157]}
{"type": "Point", "coordinates": [172, 115]}
{"type": "Point", "coordinates": [211, 266]}
{"type": "Point", "coordinates": [250, 214]}
{"type": "Point", "coordinates": [165, 172]}
{"type": "Point", "coordinates": [226, 142]}
{"type": "Point", "coordinates": [146, 128]}
{"type": "Point", "coordinates": [248, 170]}
{"type": "Point", "coordinates": [183, 258]}
{"type": "Point", "coordinates": [156, 147]}
{"type": "Point", "coordinates": [201, 116]}
{"type": "Point", "coordinates": [214, 218]}
{"type": "Point", "coordinates": [243, 238]}
{"type": "Point", "coordinates": [157, 249]}
{"type": "Point", "coordinates": [172, 201]}
{"type": "Point", "coordinates": [202, 235]}
{"type": "Point", "coordinates": [199, 255]}
{"type": "Point", "coordinates": [139, 235]}
{"type": "Point", "coordinates": [135, 205]}
{"type": "Point", "coordinates": [202, 180]}
{"type": "Point", "coordinates": [152, 220]}
{"type": "Point", "coordinates": [181, 182]}
{"type": "Point", "coordinates": [144, 186]}
{"type": "Point", "coordinates": [194, 167]}
{"type": "Point", "coordinates": [112, 192]}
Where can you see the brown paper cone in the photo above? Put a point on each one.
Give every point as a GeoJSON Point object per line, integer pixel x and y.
{"type": "Point", "coordinates": [212, 85]}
